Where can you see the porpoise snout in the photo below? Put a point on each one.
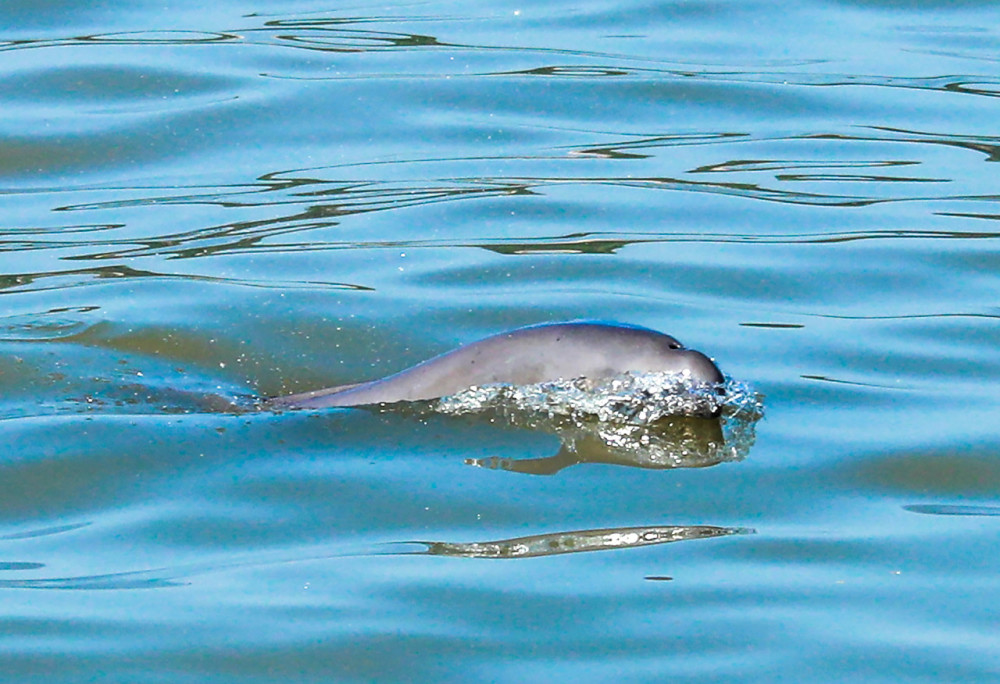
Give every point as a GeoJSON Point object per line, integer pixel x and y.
{"type": "Point", "coordinates": [701, 368]}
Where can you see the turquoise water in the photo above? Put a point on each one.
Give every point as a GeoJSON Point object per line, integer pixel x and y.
{"type": "Point", "coordinates": [209, 201]}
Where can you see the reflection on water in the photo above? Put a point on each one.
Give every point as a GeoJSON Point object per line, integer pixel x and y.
{"type": "Point", "coordinates": [130, 38]}
{"type": "Point", "coordinates": [111, 581]}
{"type": "Point", "coordinates": [299, 205]}
{"type": "Point", "coordinates": [80, 277]}
{"type": "Point", "coordinates": [953, 509]}
{"type": "Point", "coordinates": [60, 322]}
{"type": "Point", "coordinates": [679, 442]}
{"type": "Point", "coordinates": [533, 546]}
{"type": "Point", "coordinates": [648, 420]}
{"type": "Point", "coordinates": [352, 34]}
{"type": "Point", "coordinates": [19, 565]}
{"type": "Point", "coordinates": [305, 204]}
{"type": "Point", "coordinates": [578, 541]}
{"type": "Point", "coordinates": [44, 532]}
{"type": "Point", "coordinates": [300, 210]}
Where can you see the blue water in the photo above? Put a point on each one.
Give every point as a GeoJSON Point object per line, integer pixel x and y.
{"type": "Point", "coordinates": [202, 203]}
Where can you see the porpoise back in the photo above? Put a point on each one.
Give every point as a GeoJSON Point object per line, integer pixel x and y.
{"type": "Point", "coordinates": [524, 356]}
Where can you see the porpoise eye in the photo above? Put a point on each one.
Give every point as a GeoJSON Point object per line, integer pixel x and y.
{"type": "Point", "coordinates": [676, 345]}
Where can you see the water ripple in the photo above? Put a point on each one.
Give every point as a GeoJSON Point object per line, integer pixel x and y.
{"type": "Point", "coordinates": [82, 277]}
{"type": "Point", "coordinates": [307, 202]}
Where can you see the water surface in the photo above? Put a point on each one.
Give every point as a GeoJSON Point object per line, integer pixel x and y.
{"type": "Point", "coordinates": [203, 203]}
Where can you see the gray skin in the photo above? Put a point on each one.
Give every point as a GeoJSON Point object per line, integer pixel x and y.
{"type": "Point", "coordinates": [523, 356]}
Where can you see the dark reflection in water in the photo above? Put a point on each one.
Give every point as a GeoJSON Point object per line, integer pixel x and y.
{"type": "Point", "coordinates": [303, 206]}
{"type": "Point", "coordinates": [316, 204]}
{"type": "Point", "coordinates": [110, 581]}
{"type": "Point", "coordinates": [855, 383]}
{"type": "Point", "coordinates": [44, 531]}
{"type": "Point", "coordinates": [645, 147]}
{"type": "Point", "coordinates": [61, 280]}
{"type": "Point", "coordinates": [680, 442]}
{"type": "Point", "coordinates": [988, 145]}
{"type": "Point", "coordinates": [591, 243]}
{"type": "Point", "coordinates": [959, 214]}
{"type": "Point", "coordinates": [522, 547]}
{"type": "Point", "coordinates": [953, 509]}
{"type": "Point", "coordinates": [20, 565]}
{"type": "Point", "coordinates": [314, 34]}
{"type": "Point", "coordinates": [349, 34]}
{"type": "Point", "coordinates": [577, 71]}
{"type": "Point", "coordinates": [125, 38]}
{"type": "Point", "coordinates": [578, 541]}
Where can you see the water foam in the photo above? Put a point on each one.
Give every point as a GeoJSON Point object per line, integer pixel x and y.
{"type": "Point", "coordinates": [629, 398]}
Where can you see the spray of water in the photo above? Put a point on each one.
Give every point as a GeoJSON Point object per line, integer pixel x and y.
{"type": "Point", "coordinates": [652, 420]}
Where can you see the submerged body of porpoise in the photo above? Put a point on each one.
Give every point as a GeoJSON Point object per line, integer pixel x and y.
{"type": "Point", "coordinates": [525, 356]}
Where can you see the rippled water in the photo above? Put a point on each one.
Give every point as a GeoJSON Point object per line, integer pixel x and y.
{"type": "Point", "coordinates": [205, 204]}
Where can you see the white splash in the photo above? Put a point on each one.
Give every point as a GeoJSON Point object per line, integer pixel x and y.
{"type": "Point", "coordinates": [650, 420]}
{"type": "Point", "coordinates": [630, 398]}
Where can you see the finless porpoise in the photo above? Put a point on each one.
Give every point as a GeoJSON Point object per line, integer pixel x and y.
{"type": "Point", "coordinates": [524, 356]}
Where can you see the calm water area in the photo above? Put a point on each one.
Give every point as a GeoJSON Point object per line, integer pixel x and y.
{"type": "Point", "coordinates": [201, 201]}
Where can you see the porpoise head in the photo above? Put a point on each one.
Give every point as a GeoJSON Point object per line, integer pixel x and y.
{"type": "Point", "coordinates": [639, 349]}
{"type": "Point", "coordinates": [699, 366]}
